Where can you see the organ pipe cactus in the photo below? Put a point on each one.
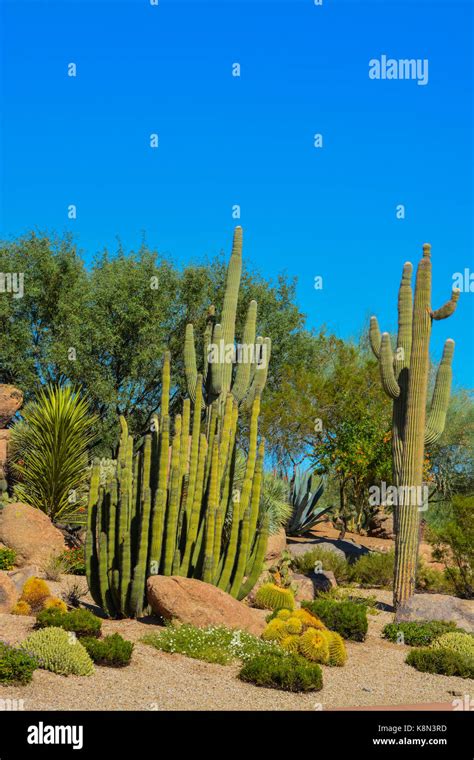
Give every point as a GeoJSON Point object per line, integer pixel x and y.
{"type": "Point", "coordinates": [404, 376]}
{"type": "Point", "coordinates": [252, 356]}
{"type": "Point", "coordinates": [172, 508]}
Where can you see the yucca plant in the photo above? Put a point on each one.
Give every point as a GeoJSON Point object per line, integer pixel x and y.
{"type": "Point", "coordinates": [305, 493]}
{"type": "Point", "coordinates": [49, 452]}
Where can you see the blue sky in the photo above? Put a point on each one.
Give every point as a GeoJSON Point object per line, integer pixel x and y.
{"type": "Point", "coordinates": [248, 140]}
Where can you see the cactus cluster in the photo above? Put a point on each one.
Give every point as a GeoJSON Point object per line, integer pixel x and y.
{"type": "Point", "coordinates": [172, 509]}
{"type": "Point", "coordinates": [219, 377]}
{"type": "Point", "coordinates": [58, 651]}
{"type": "Point", "coordinates": [299, 632]}
{"type": "Point", "coordinates": [34, 593]}
{"type": "Point", "coordinates": [405, 374]}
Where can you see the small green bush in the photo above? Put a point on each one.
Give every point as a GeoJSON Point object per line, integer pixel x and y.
{"type": "Point", "coordinates": [113, 650]}
{"type": "Point", "coordinates": [74, 561]}
{"type": "Point", "coordinates": [7, 559]}
{"type": "Point", "coordinates": [81, 622]}
{"type": "Point", "coordinates": [456, 641]}
{"type": "Point", "coordinates": [417, 633]}
{"type": "Point", "coordinates": [215, 644]}
{"type": "Point", "coordinates": [347, 618]}
{"type": "Point", "coordinates": [374, 570]}
{"type": "Point", "coordinates": [441, 661]}
{"type": "Point", "coordinates": [288, 673]}
{"type": "Point", "coordinates": [16, 667]}
{"type": "Point", "coordinates": [329, 560]}
{"type": "Point", "coordinates": [59, 651]}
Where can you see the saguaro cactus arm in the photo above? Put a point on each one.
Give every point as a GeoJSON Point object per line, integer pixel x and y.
{"type": "Point", "coordinates": [440, 401]}
{"type": "Point", "coordinates": [387, 373]}
{"type": "Point", "coordinates": [375, 336]}
{"type": "Point", "coordinates": [448, 308]}
{"type": "Point", "coordinates": [190, 367]}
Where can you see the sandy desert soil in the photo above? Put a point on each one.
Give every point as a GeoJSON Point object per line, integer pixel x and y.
{"type": "Point", "coordinates": [375, 674]}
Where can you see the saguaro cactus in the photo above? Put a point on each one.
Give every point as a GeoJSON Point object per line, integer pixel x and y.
{"type": "Point", "coordinates": [172, 508]}
{"type": "Point", "coordinates": [404, 378]}
{"type": "Point", "coordinates": [218, 376]}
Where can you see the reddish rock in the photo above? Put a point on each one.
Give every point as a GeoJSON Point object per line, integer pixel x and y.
{"type": "Point", "coordinates": [276, 546]}
{"type": "Point", "coordinates": [381, 526]}
{"type": "Point", "coordinates": [11, 400]}
{"type": "Point", "coordinates": [8, 593]}
{"type": "Point", "coordinates": [187, 600]}
{"type": "Point", "coordinates": [30, 533]}
{"type": "Point", "coordinates": [309, 586]}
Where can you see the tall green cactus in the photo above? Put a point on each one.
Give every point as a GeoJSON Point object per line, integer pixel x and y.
{"type": "Point", "coordinates": [219, 377]}
{"type": "Point", "coordinates": [172, 508]}
{"type": "Point", "coordinates": [404, 378]}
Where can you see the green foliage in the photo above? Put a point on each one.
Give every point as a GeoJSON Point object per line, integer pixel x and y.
{"type": "Point", "coordinates": [80, 621]}
{"type": "Point", "coordinates": [16, 666]}
{"type": "Point", "coordinates": [346, 618]}
{"type": "Point", "coordinates": [430, 579]}
{"type": "Point", "coordinates": [417, 633]}
{"type": "Point", "coordinates": [7, 558]}
{"type": "Point", "coordinates": [74, 561]}
{"type": "Point", "coordinates": [287, 673]}
{"type": "Point", "coordinates": [273, 597]}
{"type": "Point", "coordinates": [325, 560]}
{"type": "Point", "coordinates": [453, 544]}
{"type": "Point", "coordinates": [441, 661]}
{"type": "Point", "coordinates": [214, 644]}
{"type": "Point", "coordinates": [113, 651]}
{"type": "Point", "coordinates": [58, 651]}
{"type": "Point", "coordinates": [274, 501]}
{"type": "Point", "coordinates": [374, 570]}
{"type": "Point", "coordinates": [456, 641]}
{"type": "Point", "coordinates": [305, 493]}
{"type": "Point", "coordinates": [49, 450]}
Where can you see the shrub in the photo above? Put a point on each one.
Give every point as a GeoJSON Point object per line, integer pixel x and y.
{"type": "Point", "coordinates": [54, 568]}
{"type": "Point", "coordinates": [273, 597]}
{"type": "Point", "coordinates": [288, 673]}
{"type": "Point", "coordinates": [347, 618]}
{"type": "Point", "coordinates": [7, 559]}
{"type": "Point", "coordinates": [430, 579]}
{"type": "Point", "coordinates": [417, 633]}
{"type": "Point", "coordinates": [35, 592]}
{"type": "Point", "coordinates": [16, 667]}
{"type": "Point", "coordinates": [81, 622]}
{"type": "Point", "coordinates": [58, 651]}
{"type": "Point", "coordinates": [21, 608]}
{"type": "Point", "coordinates": [441, 661]}
{"type": "Point", "coordinates": [456, 641]}
{"type": "Point", "coordinates": [328, 561]}
{"type": "Point", "coordinates": [374, 570]}
{"type": "Point", "coordinates": [215, 644]}
{"type": "Point", "coordinates": [74, 561]}
{"type": "Point", "coordinates": [73, 593]}
{"type": "Point", "coordinates": [113, 650]}
{"type": "Point", "coordinates": [453, 544]}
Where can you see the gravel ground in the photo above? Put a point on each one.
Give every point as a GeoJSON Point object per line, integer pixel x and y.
{"type": "Point", "coordinates": [375, 674]}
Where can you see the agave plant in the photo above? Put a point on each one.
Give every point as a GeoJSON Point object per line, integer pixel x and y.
{"type": "Point", "coordinates": [49, 452]}
{"type": "Point", "coordinates": [305, 492]}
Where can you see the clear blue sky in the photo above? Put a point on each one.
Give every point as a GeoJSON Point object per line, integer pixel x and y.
{"type": "Point", "coordinates": [224, 140]}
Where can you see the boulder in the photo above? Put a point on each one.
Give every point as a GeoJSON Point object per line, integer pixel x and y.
{"type": "Point", "coordinates": [11, 400]}
{"type": "Point", "coordinates": [30, 533]}
{"type": "Point", "coordinates": [438, 607]}
{"type": "Point", "coordinates": [276, 546]}
{"type": "Point", "coordinates": [381, 526]}
{"type": "Point", "coordinates": [187, 600]}
{"type": "Point", "coordinates": [8, 593]}
{"type": "Point", "coordinates": [309, 586]}
{"type": "Point", "coordinates": [21, 575]}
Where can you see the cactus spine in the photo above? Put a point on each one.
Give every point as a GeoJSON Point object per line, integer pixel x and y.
{"type": "Point", "coordinates": [405, 380]}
